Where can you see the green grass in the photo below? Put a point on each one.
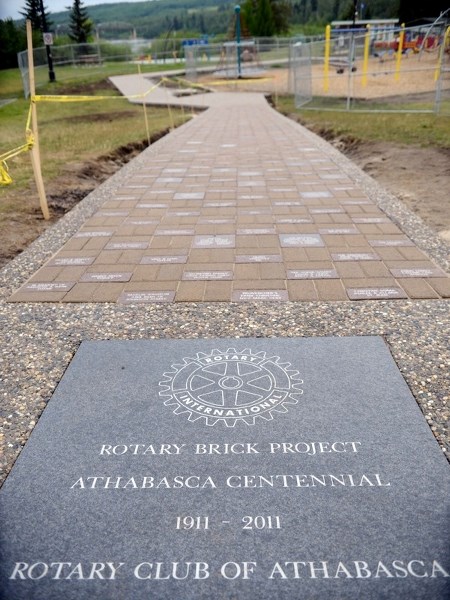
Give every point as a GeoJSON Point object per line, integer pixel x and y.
{"type": "Point", "coordinates": [403, 128]}
{"type": "Point", "coordinates": [72, 133]}
{"type": "Point", "coordinates": [11, 82]}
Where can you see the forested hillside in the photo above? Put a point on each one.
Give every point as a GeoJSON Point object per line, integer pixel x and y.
{"type": "Point", "coordinates": [157, 17]}
{"type": "Point", "coordinates": [177, 19]}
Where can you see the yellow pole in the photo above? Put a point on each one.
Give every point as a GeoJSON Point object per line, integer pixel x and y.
{"type": "Point", "coordinates": [399, 52]}
{"type": "Point", "coordinates": [366, 57]}
{"type": "Point", "coordinates": [35, 154]}
{"type": "Point", "coordinates": [445, 41]}
{"type": "Point", "coordinates": [326, 66]}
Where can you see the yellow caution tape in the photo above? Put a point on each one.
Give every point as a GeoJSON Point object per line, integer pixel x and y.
{"type": "Point", "coordinates": [5, 178]}
{"type": "Point", "coordinates": [188, 83]}
{"type": "Point", "coordinates": [234, 81]}
{"type": "Point", "coordinates": [64, 98]}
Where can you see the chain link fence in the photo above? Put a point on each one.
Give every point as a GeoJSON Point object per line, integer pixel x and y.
{"type": "Point", "coordinates": [355, 70]}
{"type": "Point", "coordinates": [380, 70]}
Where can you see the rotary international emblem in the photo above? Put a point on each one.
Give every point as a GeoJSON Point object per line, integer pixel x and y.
{"type": "Point", "coordinates": [230, 386]}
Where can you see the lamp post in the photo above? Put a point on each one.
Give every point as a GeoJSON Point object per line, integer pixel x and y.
{"type": "Point", "coordinates": [51, 73]}
{"type": "Point", "coordinates": [237, 10]}
{"type": "Point", "coordinates": [355, 12]}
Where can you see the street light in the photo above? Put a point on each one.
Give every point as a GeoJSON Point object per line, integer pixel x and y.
{"type": "Point", "coordinates": [237, 10]}
{"type": "Point", "coordinates": [47, 41]}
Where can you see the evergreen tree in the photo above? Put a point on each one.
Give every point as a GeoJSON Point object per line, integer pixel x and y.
{"type": "Point", "coordinates": [12, 41]}
{"type": "Point", "coordinates": [264, 24]}
{"type": "Point", "coordinates": [265, 18]}
{"type": "Point", "coordinates": [80, 24]}
{"type": "Point", "coordinates": [335, 13]}
{"type": "Point", "coordinates": [281, 11]}
{"type": "Point", "coordinates": [32, 12]}
{"type": "Point", "coordinates": [412, 11]}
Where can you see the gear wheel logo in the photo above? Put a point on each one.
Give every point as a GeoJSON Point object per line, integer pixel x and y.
{"type": "Point", "coordinates": [230, 386]}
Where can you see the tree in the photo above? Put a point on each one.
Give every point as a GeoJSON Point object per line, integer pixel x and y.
{"type": "Point", "coordinates": [12, 41]}
{"type": "Point", "coordinates": [412, 11]}
{"type": "Point", "coordinates": [32, 12]}
{"type": "Point", "coordinates": [265, 18]}
{"type": "Point", "coordinates": [80, 25]}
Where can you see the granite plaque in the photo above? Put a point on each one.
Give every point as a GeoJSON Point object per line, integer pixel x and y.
{"type": "Point", "coordinates": [93, 234]}
{"type": "Point", "coordinates": [370, 220]}
{"type": "Point", "coordinates": [258, 258]}
{"type": "Point", "coordinates": [163, 260]}
{"type": "Point", "coordinates": [189, 196]}
{"type": "Point", "coordinates": [207, 275]}
{"type": "Point", "coordinates": [230, 468]}
{"type": "Point", "coordinates": [171, 232]}
{"type": "Point", "coordinates": [256, 231]}
{"type": "Point", "coordinates": [320, 211]}
{"type": "Point", "coordinates": [294, 220]}
{"type": "Point", "coordinates": [354, 256]}
{"type": "Point", "coordinates": [151, 205]}
{"type": "Point", "coordinates": [145, 297]}
{"type": "Point", "coordinates": [205, 221]}
{"type": "Point", "coordinates": [312, 274]}
{"type": "Point", "coordinates": [184, 213]}
{"type": "Point", "coordinates": [352, 202]}
{"type": "Point", "coordinates": [72, 261]}
{"type": "Point", "coordinates": [42, 286]}
{"type": "Point", "coordinates": [112, 213]}
{"type": "Point", "coordinates": [107, 276]}
{"type": "Point", "coordinates": [126, 246]}
{"type": "Point", "coordinates": [376, 293]}
{"type": "Point", "coordinates": [214, 241]}
{"type": "Point", "coordinates": [142, 222]}
{"type": "Point", "coordinates": [259, 296]}
{"type": "Point", "coordinates": [338, 231]}
{"type": "Point", "coordinates": [393, 243]}
{"type": "Point", "coordinates": [315, 194]}
{"type": "Point", "coordinates": [418, 272]}
{"type": "Point", "coordinates": [301, 240]}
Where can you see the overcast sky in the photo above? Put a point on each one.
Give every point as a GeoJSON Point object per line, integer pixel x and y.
{"type": "Point", "coordinates": [12, 8]}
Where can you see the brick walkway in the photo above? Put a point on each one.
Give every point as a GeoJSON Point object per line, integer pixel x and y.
{"type": "Point", "coordinates": [237, 205]}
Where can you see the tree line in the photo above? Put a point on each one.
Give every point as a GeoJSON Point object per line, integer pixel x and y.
{"type": "Point", "coordinates": [260, 18]}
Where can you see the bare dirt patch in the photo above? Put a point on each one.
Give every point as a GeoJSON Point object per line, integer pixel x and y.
{"type": "Point", "coordinates": [420, 177]}
{"type": "Point", "coordinates": [18, 229]}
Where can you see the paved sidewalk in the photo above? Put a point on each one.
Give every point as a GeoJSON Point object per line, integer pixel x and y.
{"type": "Point", "coordinates": [240, 204]}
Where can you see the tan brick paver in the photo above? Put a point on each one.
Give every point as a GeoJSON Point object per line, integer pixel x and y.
{"type": "Point", "coordinates": [200, 219]}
